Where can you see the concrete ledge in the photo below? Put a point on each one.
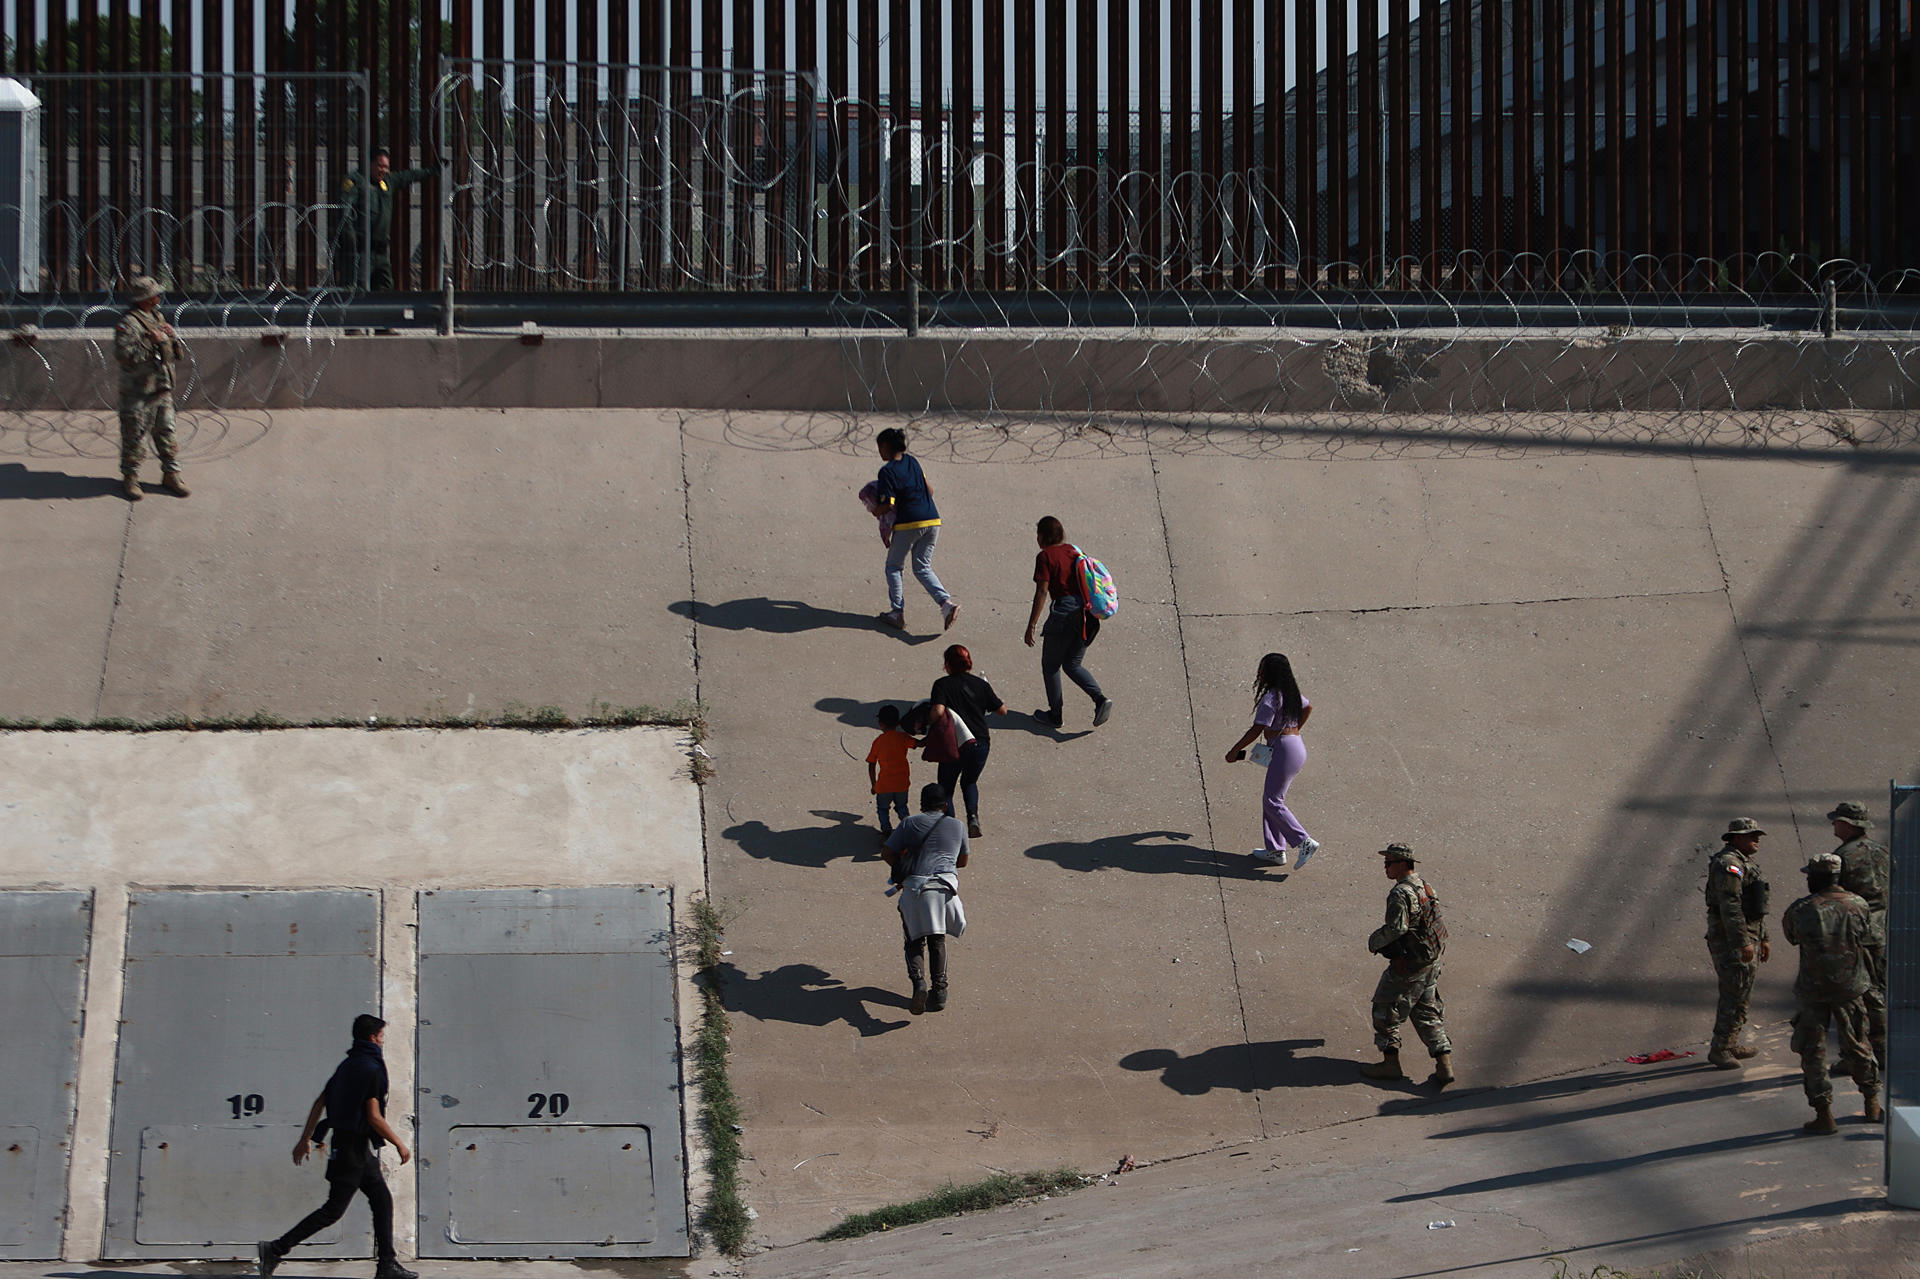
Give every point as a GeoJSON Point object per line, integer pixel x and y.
{"type": "Point", "coordinates": [1052, 371]}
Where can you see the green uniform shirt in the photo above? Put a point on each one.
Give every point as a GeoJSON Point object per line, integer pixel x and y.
{"type": "Point", "coordinates": [370, 203]}
{"type": "Point", "coordinates": [1403, 909]}
{"type": "Point", "coordinates": [1866, 871]}
{"type": "Point", "coordinates": [1727, 874]}
{"type": "Point", "coordinates": [1832, 930]}
{"type": "Point", "coordinates": [144, 353]}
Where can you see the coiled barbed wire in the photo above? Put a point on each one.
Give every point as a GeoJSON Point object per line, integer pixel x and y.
{"type": "Point", "coordinates": [1077, 296]}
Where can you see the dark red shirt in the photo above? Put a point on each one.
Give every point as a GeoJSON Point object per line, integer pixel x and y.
{"type": "Point", "coordinates": [1054, 566]}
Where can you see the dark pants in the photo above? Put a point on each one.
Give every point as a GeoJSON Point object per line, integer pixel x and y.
{"type": "Point", "coordinates": [918, 948]}
{"type": "Point", "coordinates": [965, 770]}
{"type": "Point", "coordinates": [379, 264]}
{"type": "Point", "coordinates": [1062, 648]}
{"type": "Point", "coordinates": [347, 1172]}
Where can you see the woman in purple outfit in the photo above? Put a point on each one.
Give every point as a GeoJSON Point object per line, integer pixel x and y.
{"type": "Point", "coordinates": [1278, 717]}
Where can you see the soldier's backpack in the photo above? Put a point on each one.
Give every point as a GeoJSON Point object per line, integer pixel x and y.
{"type": "Point", "coordinates": [1101, 597]}
{"type": "Point", "coordinates": [1426, 937]}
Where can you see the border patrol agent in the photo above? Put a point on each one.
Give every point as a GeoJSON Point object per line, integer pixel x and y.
{"type": "Point", "coordinates": [369, 212]}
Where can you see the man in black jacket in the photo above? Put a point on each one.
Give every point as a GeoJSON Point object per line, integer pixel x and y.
{"type": "Point", "coordinates": [355, 1103]}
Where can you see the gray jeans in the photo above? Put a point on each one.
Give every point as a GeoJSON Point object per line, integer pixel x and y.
{"type": "Point", "coordinates": [919, 543]}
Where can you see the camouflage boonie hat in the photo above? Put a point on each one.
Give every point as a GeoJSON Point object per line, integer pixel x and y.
{"type": "Point", "coordinates": [1400, 853]}
{"type": "Point", "coordinates": [144, 288]}
{"type": "Point", "coordinates": [1742, 826]}
{"type": "Point", "coordinates": [1848, 810]}
{"type": "Point", "coordinates": [1828, 862]}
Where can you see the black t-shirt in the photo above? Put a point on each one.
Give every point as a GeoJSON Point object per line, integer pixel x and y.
{"type": "Point", "coordinates": [969, 697]}
{"type": "Point", "coordinates": [362, 1075]}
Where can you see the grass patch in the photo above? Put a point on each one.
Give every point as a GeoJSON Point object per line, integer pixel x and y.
{"type": "Point", "coordinates": [725, 1216]}
{"type": "Point", "coordinates": [951, 1201]}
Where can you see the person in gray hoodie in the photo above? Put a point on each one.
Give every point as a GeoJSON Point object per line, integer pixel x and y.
{"type": "Point", "coordinates": [926, 852]}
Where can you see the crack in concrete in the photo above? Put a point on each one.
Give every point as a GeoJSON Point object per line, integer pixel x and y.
{"type": "Point", "coordinates": [113, 614]}
{"type": "Point", "coordinates": [1746, 658]}
{"type": "Point", "coordinates": [1423, 608]}
{"type": "Point", "coordinates": [1200, 772]}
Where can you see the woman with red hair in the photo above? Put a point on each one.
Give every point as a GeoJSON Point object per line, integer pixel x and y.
{"type": "Point", "coordinates": [960, 692]}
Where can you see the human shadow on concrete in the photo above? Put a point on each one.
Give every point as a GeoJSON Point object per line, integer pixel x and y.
{"type": "Point", "coordinates": [1134, 853]}
{"type": "Point", "coordinates": [817, 846]}
{"type": "Point", "coordinates": [1534, 1094]}
{"type": "Point", "coordinates": [17, 483]}
{"type": "Point", "coordinates": [1032, 723]}
{"type": "Point", "coordinates": [1246, 1067]}
{"type": "Point", "coordinates": [807, 995]}
{"type": "Point", "coordinates": [781, 617]}
{"type": "Point", "coordinates": [1627, 1164]}
{"type": "Point", "coordinates": [858, 714]}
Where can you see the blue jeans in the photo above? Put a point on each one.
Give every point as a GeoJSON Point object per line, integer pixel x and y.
{"type": "Point", "coordinates": [918, 542]}
{"type": "Point", "coordinates": [896, 800]}
{"type": "Point", "coordinates": [966, 770]}
{"type": "Point", "coordinates": [1061, 649]}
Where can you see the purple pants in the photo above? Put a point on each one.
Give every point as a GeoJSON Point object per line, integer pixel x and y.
{"type": "Point", "coordinates": [1280, 827]}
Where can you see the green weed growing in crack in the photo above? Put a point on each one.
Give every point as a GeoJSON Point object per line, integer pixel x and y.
{"type": "Point", "coordinates": [951, 1201]}
{"type": "Point", "coordinates": [725, 1217]}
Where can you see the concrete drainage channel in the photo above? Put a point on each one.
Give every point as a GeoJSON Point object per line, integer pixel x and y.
{"type": "Point", "coordinates": [192, 921]}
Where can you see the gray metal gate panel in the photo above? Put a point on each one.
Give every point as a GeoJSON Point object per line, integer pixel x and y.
{"type": "Point", "coordinates": [1903, 951]}
{"type": "Point", "coordinates": [1902, 1151]}
{"type": "Point", "coordinates": [236, 1008]}
{"type": "Point", "coordinates": [549, 1075]}
{"type": "Point", "coordinates": [43, 962]}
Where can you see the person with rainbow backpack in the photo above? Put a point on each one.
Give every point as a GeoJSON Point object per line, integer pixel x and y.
{"type": "Point", "coordinates": [1082, 594]}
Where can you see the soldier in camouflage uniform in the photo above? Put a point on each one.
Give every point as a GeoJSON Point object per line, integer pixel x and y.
{"type": "Point", "coordinates": [1736, 936]}
{"type": "Point", "coordinates": [1832, 928]}
{"type": "Point", "coordinates": [1410, 987]}
{"type": "Point", "coordinates": [145, 348]}
{"type": "Point", "coordinates": [1866, 871]}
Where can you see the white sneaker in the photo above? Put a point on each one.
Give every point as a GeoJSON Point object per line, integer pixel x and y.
{"type": "Point", "coordinates": [1307, 850]}
{"type": "Point", "coordinates": [1270, 857]}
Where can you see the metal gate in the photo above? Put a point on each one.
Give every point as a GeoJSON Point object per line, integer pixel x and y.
{"type": "Point", "coordinates": [1903, 1002]}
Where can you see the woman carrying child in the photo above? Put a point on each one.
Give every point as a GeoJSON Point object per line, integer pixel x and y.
{"type": "Point", "coordinates": [970, 699]}
{"type": "Point", "coordinates": [902, 488]}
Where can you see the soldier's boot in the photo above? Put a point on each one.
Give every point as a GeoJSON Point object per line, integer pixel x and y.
{"type": "Point", "coordinates": [1442, 1070]}
{"type": "Point", "coordinates": [1722, 1055]}
{"type": "Point", "coordinates": [130, 485]}
{"type": "Point", "coordinates": [172, 483]}
{"type": "Point", "coordinates": [1821, 1125]}
{"type": "Point", "coordinates": [1388, 1067]}
{"type": "Point", "coordinates": [1872, 1112]}
{"type": "Point", "coordinates": [1743, 1047]}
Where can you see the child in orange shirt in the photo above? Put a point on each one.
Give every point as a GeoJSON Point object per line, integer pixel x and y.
{"type": "Point", "coordinates": [887, 769]}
